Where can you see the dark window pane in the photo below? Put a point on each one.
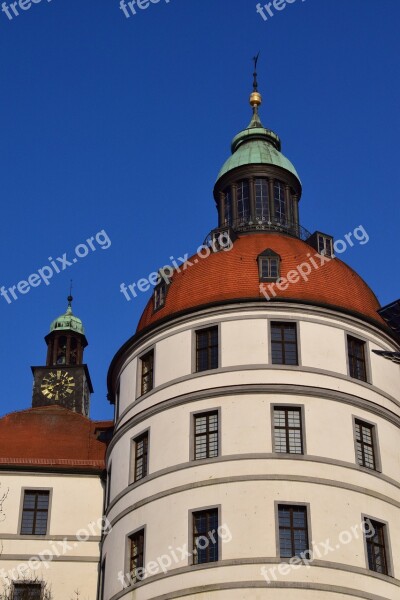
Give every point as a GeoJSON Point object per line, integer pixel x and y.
{"type": "Point", "coordinates": [280, 202]}
{"type": "Point", "coordinates": [288, 436]}
{"type": "Point", "coordinates": [35, 513]}
{"type": "Point", "coordinates": [357, 363]}
{"type": "Point", "coordinates": [284, 344]}
{"type": "Point", "coordinates": [243, 201]}
{"type": "Point", "coordinates": [293, 530]}
{"type": "Point", "coordinates": [206, 435]}
{"type": "Point", "coordinates": [207, 349]}
{"type": "Point", "coordinates": [27, 591]}
{"type": "Point", "coordinates": [136, 555]}
{"type": "Point", "coordinates": [147, 364]}
{"type": "Point", "coordinates": [376, 547]}
{"type": "Point", "coordinates": [141, 456]}
{"type": "Point", "coordinates": [365, 445]}
{"type": "Point", "coordinates": [205, 536]}
{"type": "Point", "coordinates": [262, 201]}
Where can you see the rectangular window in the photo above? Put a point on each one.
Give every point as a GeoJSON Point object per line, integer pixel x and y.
{"type": "Point", "coordinates": [293, 530]}
{"type": "Point", "coordinates": [365, 444]}
{"type": "Point", "coordinates": [27, 591]}
{"type": "Point", "coordinates": [147, 373]}
{"type": "Point", "coordinates": [288, 435]}
{"type": "Point", "coordinates": [377, 547]}
{"type": "Point", "coordinates": [35, 512]}
{"type": "Point", "coordinates": [357, 363]}
{"type": "Point", "coordinates": [280, 202]}
{"type": "Point", "coordinates": [160, 295]}
{"type": "Point", "coordinates": [206, 435]}
{"type": "Point", "coordinates": [141, 456]}
{"type": "Point", "coordinates": [205, 536]}
{"type": "Point", "coordinates": [284, 343]}
{"type": "Point", "coordinates": [136, 555]}
{"type": "Point", "coordinates": [269, 268]}
{"type": "Point", "coordinates": [207, 349]}
{"type": "Point", "coordinates": [325, 246]}
{"type": "Point", "coordinates": [243, 201]}
{"type": "Point", "coordinates": [262, 200]}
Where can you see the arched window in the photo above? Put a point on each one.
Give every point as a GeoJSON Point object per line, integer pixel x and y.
{"type": "Point", "coordinates": [262, 201]}
{"type": "Point", "coordinates": [228, 218]}
{"type": "Point", "coordinates": [73, 357]}
{"type": "Point", "coordinates": [62, 350]}
{"type": "Point", "coordinates": [243, 201]}
{"type": "Point", "coordinates": [280, 202]}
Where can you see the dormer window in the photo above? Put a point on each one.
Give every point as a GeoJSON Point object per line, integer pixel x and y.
{"type": "Point", "coordinates": [160, 295]}
{"type": "Point", "coordinates": [269, 266]}
{"type": "Point", "coordinates": [325, 245]}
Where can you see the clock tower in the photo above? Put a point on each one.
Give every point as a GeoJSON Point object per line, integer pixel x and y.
{"type": "Point", "coordinates": [65, 380]}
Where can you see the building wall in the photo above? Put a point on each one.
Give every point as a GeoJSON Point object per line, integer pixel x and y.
{"type": "Point", "coordinates": [248, 479]}
{"type": "Point", "coordinates": [69, 552]}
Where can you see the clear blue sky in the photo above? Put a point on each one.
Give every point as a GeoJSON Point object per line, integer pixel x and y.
{"type": "Point", "coordinates": [122, 124]}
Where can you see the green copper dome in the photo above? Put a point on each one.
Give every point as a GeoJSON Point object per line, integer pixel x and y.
{"type": "Point", "coordinates": [68, 321]}
{"type": "Point", "coordinates": [257, 145]}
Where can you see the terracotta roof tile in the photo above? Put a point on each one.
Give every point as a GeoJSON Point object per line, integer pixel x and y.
{"type": "Point", "coordinates": [233, 275]}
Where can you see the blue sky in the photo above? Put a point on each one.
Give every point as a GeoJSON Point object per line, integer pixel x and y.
{"type": "Point", "coordinates": [117, 124]}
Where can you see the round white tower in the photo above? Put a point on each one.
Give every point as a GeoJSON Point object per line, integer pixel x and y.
{"type": "Point", "coordinates": [257, 441]}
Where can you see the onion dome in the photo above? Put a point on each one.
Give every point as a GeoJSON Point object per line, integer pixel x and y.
{"type": "Point", "coordinates": [68, 321]}
{"type": "Point", "coordinates": [256, 145]}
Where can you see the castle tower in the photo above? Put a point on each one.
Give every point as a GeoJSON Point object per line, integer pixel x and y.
{"type": "Point", "coordinates": [65, 380]}
{"type": "Point", "coordinates": [257, 434]}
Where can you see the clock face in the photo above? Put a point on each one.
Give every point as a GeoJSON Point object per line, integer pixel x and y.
{"type": "Point", "coordinates": [57, 385]}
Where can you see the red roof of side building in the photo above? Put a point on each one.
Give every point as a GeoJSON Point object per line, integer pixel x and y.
{"type": "Point", "coordinates": [53, 438]}
{"type": "Point", "coordinates": [233, 276]}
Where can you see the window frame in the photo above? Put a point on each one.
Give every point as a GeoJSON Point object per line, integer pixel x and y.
{"type": "Point", "coordinates": [128, 555]}
{"type": "Point", "coordinates": [268, 255]}
{"type": "Point", "coordinates": [366, 357]}
{"type": "Point", "coordinates": [192, 437]}
{"type": "Point", "coordinates": [327, 240]}
{"type": "Point", "coordinates": [20, 519]}
{"type": "Point", "coordinates": [375, 444]}
{"type": "Point", "coordinates": [298, 353]}
{"type": "Point", "coordinates": [301, 409]}
{"type": "Point", "coordinates": [192, 512]}
{"type": "Point", "coordinates": [307, 507]}
{"type": "Point", "coordinates": [388, 547]}
{"type": "Point", "coordinates": [141, 358]}
{"type": "Point", "coordinates": [35, 584]}
{"type": "Point", "coordinates": [162, 285]}
{"type": "Point", "coordinates": [133, 456]}
{"type": "Point", "coordinates": [197, 330]}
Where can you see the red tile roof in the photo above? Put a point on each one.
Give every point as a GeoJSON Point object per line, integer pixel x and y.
{"type": "Point", "coordinates": [52, 437]}
{"type": "Point", "coordinates": [233, 275]}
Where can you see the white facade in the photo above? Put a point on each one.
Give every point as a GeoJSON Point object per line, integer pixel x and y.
{"type": "Point", "coordinates": [249, 479]}
{"type": "Point", "coordinates": [67, 556]}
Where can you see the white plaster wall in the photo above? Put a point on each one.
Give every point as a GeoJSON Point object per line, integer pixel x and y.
{"type": "Point", "coordinates": [75, 513]}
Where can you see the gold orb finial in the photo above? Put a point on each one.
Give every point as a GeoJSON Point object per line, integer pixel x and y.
{"type": "Point", "coordinates": [255, 99]}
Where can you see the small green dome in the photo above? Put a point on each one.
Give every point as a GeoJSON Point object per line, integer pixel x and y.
{"type": "Point", "coordinates": [68, 321]}
{"type": "Point", "coordinates": [254, 146]}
